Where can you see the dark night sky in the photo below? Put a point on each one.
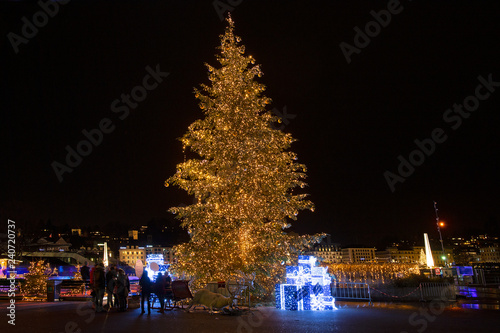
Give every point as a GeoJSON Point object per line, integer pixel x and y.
{"type": "Point", "coordinates": [352, 120]}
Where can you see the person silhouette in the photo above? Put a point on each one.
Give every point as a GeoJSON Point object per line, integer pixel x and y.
{"type": "Point", "coordinates": [145, 283]}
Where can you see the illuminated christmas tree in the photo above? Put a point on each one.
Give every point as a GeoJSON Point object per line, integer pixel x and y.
{"type": "Point", "coordinates": [243, 179]}
{"type": "Point", "coordinates": [77, 276]}
{"type": "Point", "coordinates": [36, 279]}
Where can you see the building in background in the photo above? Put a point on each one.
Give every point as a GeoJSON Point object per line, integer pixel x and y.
{"type": "Point", "coordinates": [401, 255]}
{"type": "Point", "coordinates": [490, 254]}
{"type": "Point", "coordinates": [76, 231]}
{"type": "Point", "coordinates": [131, 253]}
{"type": "Point", "coordinates": [133, 234]}
{"type": "Point", "coordinates": [358, 254]}
{"type": "Point", "coordinates": [42, 245]}
{"type": "Point", "coordinates": [440, 259]}
{"type": "Point", "coordinates": [328, 253]}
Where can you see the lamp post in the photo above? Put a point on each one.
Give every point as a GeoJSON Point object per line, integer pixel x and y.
{"type": "Point", "coordinates": [439, 225]}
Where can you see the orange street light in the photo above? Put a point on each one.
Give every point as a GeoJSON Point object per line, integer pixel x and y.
{"type": "Point", "coordinates": [441, 224]}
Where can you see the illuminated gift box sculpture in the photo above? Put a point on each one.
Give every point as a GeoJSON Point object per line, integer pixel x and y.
{"type": "Point", "coordinates": [307, 287]}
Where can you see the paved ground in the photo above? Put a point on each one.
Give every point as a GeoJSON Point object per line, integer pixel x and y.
{"type": "Point", "coordinates": [350, 317]}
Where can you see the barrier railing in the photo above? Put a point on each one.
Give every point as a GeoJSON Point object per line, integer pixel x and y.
{"type": "Point", "coordinates": [362, 291]}
{"type": "Point", "coordinates": [436, 290]}
{"type": "Point", "coordinates": [351, 290]}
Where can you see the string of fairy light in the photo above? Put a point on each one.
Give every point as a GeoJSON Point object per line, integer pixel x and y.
{"type": "Point", "coordinates": [243, 179]}
{"type": "Point", "coordinates": [371, 273]}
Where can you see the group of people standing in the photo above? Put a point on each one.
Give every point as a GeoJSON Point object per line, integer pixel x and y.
{"type": "Point", "coordinates": [161, 288]}
{"type": "Point", "coordinates": [115, 282]}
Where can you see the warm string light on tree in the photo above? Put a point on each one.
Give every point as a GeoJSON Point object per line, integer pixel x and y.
{"type": "Point", "coordinates": [36, 279]}
{"type": "Point", "coordinates": [243, 179]}
{"type": "Point", "coordinates": [77, 276]}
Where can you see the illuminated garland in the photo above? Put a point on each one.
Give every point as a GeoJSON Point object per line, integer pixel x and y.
{"type": "Point", "coordinates": [371, 273]}
{"type": "Point", "coordinates": [242, 182]}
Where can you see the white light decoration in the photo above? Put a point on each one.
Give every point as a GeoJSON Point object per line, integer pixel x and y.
{"type": "Point", "coordinates": [428, 252]}
{"type": "Point", "coordinates": [155, 265]}
{"type": "Point", "coordinates": [307, 287]}
{"type": "Point", "coordinates": [105, 260]}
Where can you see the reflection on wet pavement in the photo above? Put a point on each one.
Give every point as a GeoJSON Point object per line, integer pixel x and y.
{"type": "Point", "coordinates": [462, 304]}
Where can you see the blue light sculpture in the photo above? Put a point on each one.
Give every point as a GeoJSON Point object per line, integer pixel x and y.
{"type": "Point", "coordinates": [162, 267]}
{"type": "Point", "coordinates": [307, 287]}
